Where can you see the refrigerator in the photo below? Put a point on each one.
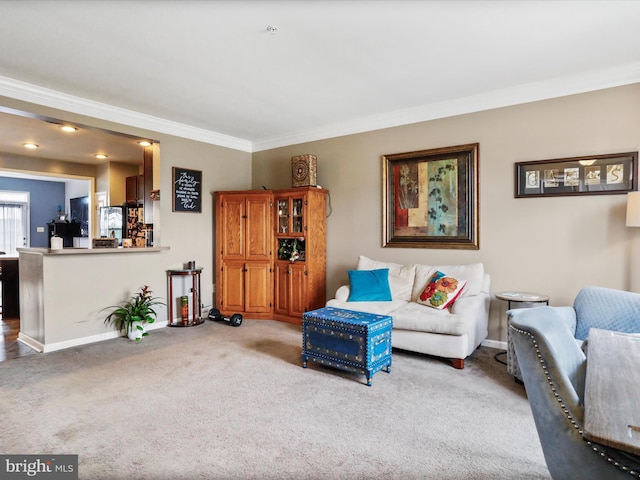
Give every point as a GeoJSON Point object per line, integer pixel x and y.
{"type": "Point", "coordinates": [123, 221]}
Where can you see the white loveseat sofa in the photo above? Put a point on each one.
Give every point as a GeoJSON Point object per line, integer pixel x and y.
{"type": "Point", "coordinates": [452, 333]}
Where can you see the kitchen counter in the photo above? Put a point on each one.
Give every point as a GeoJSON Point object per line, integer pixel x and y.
{"type": "Point", "coordinates": [90, 251]}
{"type": "Point", "coordinates": [10, 286]}
{"type": "Point", "coordinates": [64, 293]}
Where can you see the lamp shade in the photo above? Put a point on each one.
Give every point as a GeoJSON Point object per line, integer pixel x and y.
{"type": "Point", "coordinates": [633, 209]}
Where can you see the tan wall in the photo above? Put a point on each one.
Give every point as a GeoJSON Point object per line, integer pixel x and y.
{"type": "Point", "coordinates": [189, 235]}
{"type": "Point", "coordinates": [552, 245]}
{"type": "Point", "coordinates": [547, 245]}
{"type": "Point", "coordinates": [118, 173]}
{"type": "Point", "coordinates": [54, 167]}
{"type": "Point", "coordinates": [102, 178]}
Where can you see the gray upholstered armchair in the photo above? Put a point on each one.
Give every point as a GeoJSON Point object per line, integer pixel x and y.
{"type": "Point", "coordinates": [593, 307]}
{"type": "Point", "coordinates": [553, 366]}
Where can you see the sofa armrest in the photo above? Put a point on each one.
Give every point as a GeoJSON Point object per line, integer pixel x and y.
{"type": "Point", "coordinates": [475, 309]}
{"type": "Point", "coordinates": [470, 303]}
{"type": "Point", "coordinates": [486, 283]}
{"type": "Point", "coordinates": [475, 305]}
{"type": "Point", "coordinates": [342, 293]}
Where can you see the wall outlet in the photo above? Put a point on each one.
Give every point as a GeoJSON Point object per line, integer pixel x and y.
{"type": "Point", "coordinates": [40, 229]}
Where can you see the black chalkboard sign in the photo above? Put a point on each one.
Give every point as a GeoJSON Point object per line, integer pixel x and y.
{"type": "Point", "coordinates": [187, 190]}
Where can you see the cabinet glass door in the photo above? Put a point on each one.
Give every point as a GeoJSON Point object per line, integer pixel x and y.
{"type": "Point", "coordinates": [296, 215]}
{"type": "Point", "coordinates": [283, 216]}
{"type": "Point", "coordinates": [290, 216]}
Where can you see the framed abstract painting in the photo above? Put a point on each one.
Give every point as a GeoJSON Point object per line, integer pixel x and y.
{"type": "Point", "coordinates": [431, 198]}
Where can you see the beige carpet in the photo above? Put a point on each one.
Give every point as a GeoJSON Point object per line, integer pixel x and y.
{"type": "Point", "coordinates": [217, 402]}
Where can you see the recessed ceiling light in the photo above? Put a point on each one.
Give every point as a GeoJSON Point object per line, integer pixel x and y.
{"type": "Point", "coordinates": [68, 128]}
{"type": "Point", "coordinates": [30, 145]}
{"type": "Point", "coordinates": [144, 143]}
{"type": "Point", "coordinates": [101, 155]}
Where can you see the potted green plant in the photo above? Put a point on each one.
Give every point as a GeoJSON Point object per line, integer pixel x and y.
{"type": "Point", "coordinates": [135, 314]}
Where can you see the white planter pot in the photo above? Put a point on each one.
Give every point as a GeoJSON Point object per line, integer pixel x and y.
{"type": "Point", "coordinates": [134, 333]}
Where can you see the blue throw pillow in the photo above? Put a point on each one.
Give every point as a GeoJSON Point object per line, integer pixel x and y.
{"type": "Point", "coordinates": [369, 285]}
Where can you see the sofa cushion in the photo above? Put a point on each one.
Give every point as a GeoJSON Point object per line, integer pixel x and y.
{"type": "Point", "coordinates": [376, 308]}
{"type": "Point", "coordinates": [441, 291]}
{"type": "Point", "coordinates": [416, 317]}
{"type": "Point", "coordinates": [472, 273]}
{"type": "Point", "coordinates": [369, 285]}
{"type": "Point", "coordinates": [401, 277]}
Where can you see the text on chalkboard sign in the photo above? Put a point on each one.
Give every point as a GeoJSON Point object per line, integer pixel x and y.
{"type": "Point", "coordinates": [187, 190]}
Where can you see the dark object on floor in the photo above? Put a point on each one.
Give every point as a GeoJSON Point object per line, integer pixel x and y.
{"type": "Point", "coordinates": [234, 320]}
{"type": "Point", "coordinates": [498, 357]}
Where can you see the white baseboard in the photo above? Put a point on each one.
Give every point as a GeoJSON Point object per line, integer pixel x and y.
{"type": "Point", "coordinates": [52, 347]}
{"type": "Point", "coordinates": [30, 342]}
{"type": "Point", "coordinates": [494, 344]}
{"type": "Point", "coordinates": [157, 325]}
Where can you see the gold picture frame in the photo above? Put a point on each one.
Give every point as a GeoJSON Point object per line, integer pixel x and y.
{"type": "Point", "coordinates": [431, 197]}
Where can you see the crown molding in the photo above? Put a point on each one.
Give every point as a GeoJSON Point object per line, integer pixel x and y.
{"type": "Point", "coordinates": [28, 92]}
{"type": "Point", "coordinates": [530, 92]}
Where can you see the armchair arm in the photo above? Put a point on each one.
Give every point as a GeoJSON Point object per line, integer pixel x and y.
{"type": "Point", "coordinates": [564, 314]}
{"type": "Point", "coordinates": [568, 315]}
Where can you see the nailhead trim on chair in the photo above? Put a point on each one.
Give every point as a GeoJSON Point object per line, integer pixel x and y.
{"type": "Point", "coordinates": [593, 446]}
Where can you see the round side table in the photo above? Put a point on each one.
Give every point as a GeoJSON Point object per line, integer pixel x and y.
{"type": "Point", "coordinates": [196, 317]}
{"type": "Point", "coordinates": [520, 298]}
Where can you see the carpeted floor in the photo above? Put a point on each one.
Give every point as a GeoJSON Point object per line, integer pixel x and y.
{"type": "Point", "coordinates": [217, 402]}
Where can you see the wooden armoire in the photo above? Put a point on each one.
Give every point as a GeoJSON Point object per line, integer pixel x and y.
{"type": "Point", "coordinates": [270, 252]}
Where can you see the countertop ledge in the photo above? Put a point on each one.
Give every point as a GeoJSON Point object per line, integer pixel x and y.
{"type": "Point", "coordinates": [90, 251]}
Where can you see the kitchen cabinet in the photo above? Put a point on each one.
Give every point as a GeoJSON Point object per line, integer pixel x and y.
{"type": "Point", "coordinates": [139, 188]}
{"type": "Point", "coordinates": [134, 189]}
{"type": "Point", "coordinates": [147, 186]}
{"type": "Point", "coordinates": [10, 281]}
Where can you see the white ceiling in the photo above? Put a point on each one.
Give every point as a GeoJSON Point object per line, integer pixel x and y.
{"type": "Point", "coordinates": [80, 146]}
{"type": "Point", "coordinates": [211, 71]}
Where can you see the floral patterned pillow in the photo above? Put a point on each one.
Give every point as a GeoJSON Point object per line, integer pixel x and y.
{"type": "Point", "coordinates": [441, 291]}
